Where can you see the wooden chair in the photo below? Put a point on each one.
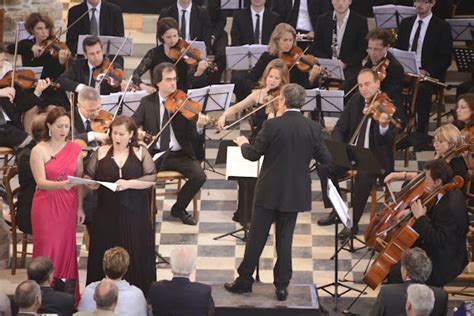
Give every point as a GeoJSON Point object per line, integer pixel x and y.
{"type": "Point", "coordinates": [11, 193]}
{"type": "Point", "coordinates": [7, 153]}
{"type": "Point", "coordinates": [168, 176]}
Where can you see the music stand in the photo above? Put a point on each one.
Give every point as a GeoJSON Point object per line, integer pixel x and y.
{"type": "Point", "coordinates": [333, 68]}
{"type": "Point", "coordinates": [389, 16]}
{"type": "Point", "coordinates": [407, 59]}
{"type": "Point", "coordinates": [243, 57]}
{"type": "Point", "coordinates": [111, 45]}
{"type": "Point", "coordinates": [213, 98]}
{"type": "Point", "coordinates": [461, 29]}
{"type": "Point", "coordinates": [323, 101]}
{"type": "Point", "coordinates": [129, 105]}
{"type": "Point", "coordinates": [340, 158]}
{"type": "Point", "coordinates": [464, 58]}
{"type": "Point", "coordinates": [232, 4]}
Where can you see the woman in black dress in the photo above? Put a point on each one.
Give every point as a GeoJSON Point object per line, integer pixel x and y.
{"type": "Point", "coordinates": [122, 217]}
{"type": "Point", "coordinates": [167, 33]}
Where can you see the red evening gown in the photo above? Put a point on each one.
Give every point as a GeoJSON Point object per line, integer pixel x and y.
{"type": "Point", "coordinates": [53, 217]}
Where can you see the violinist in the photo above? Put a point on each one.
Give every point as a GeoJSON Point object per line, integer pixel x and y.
{"type": "Point", "coordinates": [167, 32]}
{"type": "Point", "coordinates": [181, 140]}
{"type": "Point", "coordinates": [445, 139]}
{"type": "Point", "coordinates": [376, 136]}
{"type": "Point", "coordinates": [274, 77]}
{"type": "Point", "coordinates": [282, 41]}
{"type": "Point", "coordinates": [442, 228]}
{"type": "Point", "coordinates": [464, 115]}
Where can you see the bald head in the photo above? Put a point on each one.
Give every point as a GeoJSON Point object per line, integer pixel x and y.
{"type": "Point", "coordinates": [106, 295]}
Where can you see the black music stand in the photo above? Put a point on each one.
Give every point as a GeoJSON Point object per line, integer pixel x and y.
{"type": "Point", "coordinates": [464, 58]}
{"type": "Point", "coordinates": [390, 16]}
{"type": "Point", "coordinates": [340, 158]}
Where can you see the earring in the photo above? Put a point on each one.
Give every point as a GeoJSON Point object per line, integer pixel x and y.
{"type": "Point", "coordinates": [130, 141]}
{"type": "Point", "coordinates": [49, 133]}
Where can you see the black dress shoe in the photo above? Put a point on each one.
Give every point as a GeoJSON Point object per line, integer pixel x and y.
{"type": "Point", "coordinates": [235, 217]}
{"type": "Point", "coordinates": [281, 294]}
{"type": "Point", "coordinates": [329, 220]}
{"type": "Point", "coordinates": [184, 216]}
{"type": "Point", "coordinates": [346, 233]}
{"type": "Point", "coordinates": [238, 287]}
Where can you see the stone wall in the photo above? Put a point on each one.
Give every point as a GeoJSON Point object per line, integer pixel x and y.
{"type": "Point", "coordinates": [18, 10]}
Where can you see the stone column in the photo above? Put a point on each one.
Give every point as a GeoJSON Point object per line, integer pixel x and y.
{"type": "Point", "coordinates": [18, 10]}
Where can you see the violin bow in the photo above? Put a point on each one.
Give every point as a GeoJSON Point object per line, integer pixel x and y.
{"type": "Point", "coordinates": [113, 60]}
{"type": "Point", "coordinates": [73, 115]}
{"type": "Point", "coordinates": [356, 134]}
{"type": "Point", "coordinates": [15, 58]}
{"type": "Point", "coordinates": [185, 51]}
{"type": "Point", "coordinates": [155, 138]}
{"type": "Point", "coordinates": [119, 105]}
{"type": "Point", "coordinates": [299, 58]}
{"type": "Point", "coordinates": [381, 62]}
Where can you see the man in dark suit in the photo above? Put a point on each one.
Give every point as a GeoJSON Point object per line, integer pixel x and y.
{"type": "Point", "coordinates": [283, 189]}
{"type": "Point", "coordinates": [88, 107]}
{"type": "Point", "coordinates": [344, 40]}
{"type": "Point", "coordinates": [415, 269]}
{"type": "Point", "coordinates": [103, 19]}
{"type": "Point", "coordinates": [194, 22]}
{"type": "Point", "coordinates": [244, 24]}
{"type": "Point", "coordinates": [430, 37]}
{"type": "Point", "coordinates": [180, 296]}
{"type": "Point", "coordinates": [301, 14]}
{"type": "Point", "coordinates": [373, 135]}
{"type": "Point", "coordinates": [182, 140]}
{"type": "Point", "coordinates": [41, 271]}
{"type": "Point", "coordinates": [80, 73]}
{"type": "Point", "coordinates": [28, 298]}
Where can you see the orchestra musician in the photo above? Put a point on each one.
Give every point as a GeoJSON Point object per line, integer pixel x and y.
{"type": "Point", "coordinates": [182, 140]}
{"type": "Point", "coordinates": [442, 228]}
{"type": "Point", "coordinates": [274, 77]}
{"type": "Point", "coordinates": [430, 37]}
{"type": "Point", "coordinates": [376, 136]}
{"type": "Point", "coordinates": [80, 74]}
{"type": "Point", "coordinates": [344, 40]}
{"type": "Point", "coordinates": [167, 32]}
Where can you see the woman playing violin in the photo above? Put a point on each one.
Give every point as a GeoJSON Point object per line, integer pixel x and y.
{"type": "Point", "coordinates": [282, 40]}
{"type": "Point", "coordinates": [445, 139]}
{"type": "Point", "coordinates": [167, 32]}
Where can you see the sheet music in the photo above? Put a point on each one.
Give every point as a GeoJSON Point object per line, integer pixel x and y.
{"type": "Point", "coordinates": [333, 67]}
{"type": "Point", "coordinates": [78, 181]}
{"type": "Point", "coordinates": [218, 96]}
{"type": "Point", "coordinates": [230, 4]}
{"type": "Point", "coordinates": [461, 29]}
{"type": "Point", "coordinates": [407, 59]}
{"type": "Point", "coordinates": [386, 17]}
{"type": "Point", "coordinates": [111, 42]}
{"type": "Point", "coordinates": [130, 103]}
{"type": "Point", "coordinates": [339, 205]}
{"type": "Point", "coordinates": [331, 100]}
{"type": "Point", "coordinates": [243, 57]}
{"type": "Point", "coordinates": [238, 166]}
{"type": "Point", "coordinates": [199, 45]}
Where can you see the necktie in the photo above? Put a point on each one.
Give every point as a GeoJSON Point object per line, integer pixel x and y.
{"type": "Point", "coordinates": [183, 24]}
{"type": "Point", "coordinates": [414, 45]}
{"type": "Point", "coordinates": [94, 24]}
{"type": "Point", "coordinates": [165, 135]}
{"type": "Point", "coordinates": [88, 126]}
{"type": "Point", "coordinates": [293, 17]}
{"type": "Point", "coordinates": [257, 30]}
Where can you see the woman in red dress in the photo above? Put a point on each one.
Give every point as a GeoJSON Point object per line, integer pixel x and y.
{"type": "Point", "coordinates": [56, 208]}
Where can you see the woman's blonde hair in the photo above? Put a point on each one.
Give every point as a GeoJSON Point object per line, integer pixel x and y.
{"type": "Point", "coordinates": [279, 65]}
{"type": "Point", "coordinates": [277, 33]}
{"type": "Point", "coordinates": [450, 134]}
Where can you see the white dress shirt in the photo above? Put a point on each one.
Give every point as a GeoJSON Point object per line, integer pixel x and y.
{"type": "Point", "coordinates": [424, 27]}
{"type": "Point", "coordinates": [304, 21]}
{"type": "Point", "coordinates": [97, 14]}
{"type": "Point", "coordinates": [340, 30]}
{"type": "Point", "coordinates": [174, 145]}
{"type": "Point", "coordinates": [187, 15]}
{"type": "Point", "coordinates": [254, 22]}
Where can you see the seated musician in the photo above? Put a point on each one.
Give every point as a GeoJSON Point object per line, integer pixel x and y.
{"type": "Point", "coordinates": [80, 74]}
{"type": "Point", "coordinates": [464, 115]}
{"type": "Point", "coordinates": [430, 37]}
{"type": "Point", "coordinates": [442, 228]}
{"type": "Point", "coordinates": [341, 35]}
{"type": "Point", "coordinates": [183, 138]}
{"type": "Point", "coordinates": [274, 77]}
{"type": "Point", "coordinates": [446, 138]}
{"type": "Point", "coordinates": [167, 33]}
{"type": "Point", "coordinates": [376, 136]}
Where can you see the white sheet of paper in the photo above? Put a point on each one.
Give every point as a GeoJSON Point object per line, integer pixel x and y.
{"type": "Point", "coordinates": [238, 166]}
{"type": "Point", "coordinates": [339, 205]}
{"type": "Point", "coordinates": [407, 59]}
{"type": "Point", "coordinates": [78, 181]}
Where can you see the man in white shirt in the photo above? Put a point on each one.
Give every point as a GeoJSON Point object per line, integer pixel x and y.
{"type": "Point", "coordinates": [115, 262]}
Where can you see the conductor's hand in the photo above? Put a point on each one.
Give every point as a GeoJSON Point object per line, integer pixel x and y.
{"type": "Point", "coordinates": [202, 121]}
{"type": "Point", "coordinates": [240, 140]}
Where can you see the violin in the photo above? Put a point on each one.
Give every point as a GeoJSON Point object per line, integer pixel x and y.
{"type": "Point", "coordinates": [53, 45]}
{"type": "Point", "coordinates": [102, 122]}
{"type": "Point", "coordinates": [191, 56]}
{"type": "Point", "coordinates": [467, 134]}
{"type": "Point", "coordinates": [381, 71]}
{"type": "Point", "coordinates": [403, 236]}
{"type": "Point", "coordinates": [274, 104]}
{"type": "Point", "coordinates": [381, 103]}
{"type": "Point", "coordinates": [108, 72]}
{"type": "Point", "coordinates": [174, 102]}
{"type": "Point", "coordinates": [297, 57]}
{"type": "Point", "coordinates": [25, 78]}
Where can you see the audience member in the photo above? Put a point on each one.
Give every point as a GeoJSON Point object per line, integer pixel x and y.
{"type": "Point", "coordinates": [115, 264]}
{"type": "Point", "coordinates": [28, 298]}
{"type": "Point", "coordinates": [180, 296]}
{"type": "Point", "coordinates": [105, 297]}
{"type": "Point", "coordinates": [5, 307]}
{"type": "Point", "coordinates": [420, 300]}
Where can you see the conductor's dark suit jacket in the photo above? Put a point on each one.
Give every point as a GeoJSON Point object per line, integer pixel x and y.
{"type": "Point", "coordinates": [148, 115]}
{"type": "Point", "coordinates": [288, 143]}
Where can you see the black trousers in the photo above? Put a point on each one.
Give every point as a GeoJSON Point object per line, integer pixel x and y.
{"type": "Point", "coordinates": [191, 169]}
{"type": "Point", "coordinates": [11, 136]}
{"type": "Point", "coordinates": [262, 220]}
{"type": "Point", "coordinates": [245, 199]}
{"type": "Point", "coordinates": [423, 106]}
{"type": "Point", "coordinates": [218, 49]}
